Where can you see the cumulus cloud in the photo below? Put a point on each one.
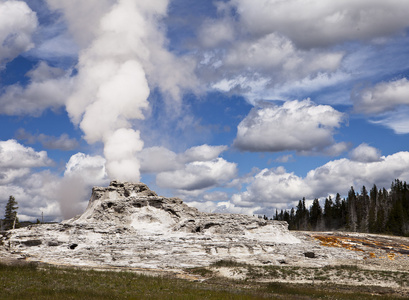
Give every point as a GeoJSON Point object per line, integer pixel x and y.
{"type": "Point", "coordinates": [161, 159]}
{"type": "Point", "coordinates": [16, 161]}
{"type": "Point", "coordinates": [337, 149]}
{"type": "Point", "coordinates": [202, 153]}
{"type": "Point", "coordinates": [387, 103]}
{"type": "Point", "coordinates": [382, 97]}
{"type": "Point", "coordinates": [63, 142]}
{"type": "Point", "coordinates": [296, 125]}
{"type": "Point", "coordinates": [271, 67]}
{"type": "Point", "coordinates": [90, 168]}
{"type": "Point", "coordinates": [318, 24]}
{"type": "Point", "coordinates": [365, 153]}
{"type": "Point", "coordinates": [158, 159]}
{"type": "Point", "coordinates": [17, 25]}
{"type": "Point", "coordinates": [35, 194]}
{"type": "Point", "coordinates": [37, 191]}
{"type": "Point", "coordinates": [287, 49]}
{"type": "Point", "coordinates": [223, 207]}
{"type": "Point", "coordinates": [279, 188]}
{"type": "Point", "coordinates": [34, 190]}
{"type": "Point", "coordinates": [272, 187]}
{"type": "Point", "coordinates": [14, 155]}
{"type": "Point", "coordinates": [48, 88]}
{"type": "Point", "coordinates": [189, 172]}
{"type": "Point", "coordinates": [198, 175]}
{"type": "Point", "coordinates": [274, 51]}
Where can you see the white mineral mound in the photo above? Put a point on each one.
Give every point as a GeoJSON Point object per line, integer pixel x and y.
{"type": "Point", "coordinates": [135, 206]}
{"type": "Point", "coordinates": [127, 224]}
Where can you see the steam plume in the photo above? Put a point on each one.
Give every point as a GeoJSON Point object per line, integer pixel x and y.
{"type": "Point", "coordinates": [111, 85]}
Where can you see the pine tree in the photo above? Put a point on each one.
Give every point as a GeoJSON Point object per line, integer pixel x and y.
{"type": "Point", "coordinates": [329, 213]}
{"type": "Point", "coordinates": [10, 215]}
{"type": "Point", "coordinates": [315, 214]}
{"type": "Point", "coordinates": [291, 224]}
{"type": "Point", "coordinates": [362, 210]}
{"type": "Point", "coordinates": [352, 215]}
{"type": "Point", "coordinates": [373, 206]}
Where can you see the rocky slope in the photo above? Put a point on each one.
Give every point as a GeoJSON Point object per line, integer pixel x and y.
{"type": "Point", "coordinates": [128, 225]}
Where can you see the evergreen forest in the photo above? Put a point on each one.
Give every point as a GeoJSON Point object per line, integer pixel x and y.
{"type": "Point", "coordinates": [375, 211]}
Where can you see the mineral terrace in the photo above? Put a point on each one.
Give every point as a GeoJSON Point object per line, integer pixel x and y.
{"type": "Point", "coordinates": [128, 225]}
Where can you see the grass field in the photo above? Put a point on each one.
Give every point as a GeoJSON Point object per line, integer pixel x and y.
{"type": "Point", "coordinates": [32, 281]}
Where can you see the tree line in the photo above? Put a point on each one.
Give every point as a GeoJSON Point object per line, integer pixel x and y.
{"type": "Point", "coordinates": [376, 211]}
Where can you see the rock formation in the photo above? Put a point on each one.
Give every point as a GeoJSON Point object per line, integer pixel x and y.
{"type": "Point", "coordinates": [134, 207]}
{"type": "Point", "coordinates": [128, 225]}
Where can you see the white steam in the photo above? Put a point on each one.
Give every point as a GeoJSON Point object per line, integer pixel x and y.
{"type": "Point", "coordinates": [111, 87]}
{"type": "Point", "coordinates": [73, 191]}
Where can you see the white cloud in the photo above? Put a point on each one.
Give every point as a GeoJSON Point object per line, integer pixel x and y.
{"type": "Point", "coordinates": [272, 187]}
{"type": "Point", "coordinates": [277, 187]}
{"type": "Point", "coordinates": [396, 120]}
{"type": "Point", "coordinates": [35, 194]}
{"type": "Point", "coordinates": [278, 53]}
{"type": "Point", "coordinates": [222, 207]}
{"type": "Point", "coordinates": [17, 161]}
{"type": "Point", "coordinates": [90, 168]}
{"type": "Point", "coordinates": [48, 88]}
{"type": "Point", "coordinates": [188, 174]}
{"type": "Point", "coordinates": [161, 159]}
{"type": "Point", "coordinates": [198, 175]}
{"type": "Point", "coordinates": [387, 103]}
{"type": "Point", "coordinates": [14, 156]}
{"type": "Point", "coordinates": [296, 125]}
{"type": "Point", "coordinates": [158, 159]}
{"type": "Point", "coordinates": [9, 175]}
{"type": "Point", "coordinates": [50, 194]}
{"type": "Point", "coordinates": [202, 153]}
{"type": "Point", "coordinates": [17, 25]}
{"type": "Point", "coordinates": [323, 23]}
{"type": "Point", "coordinates": [365, 153]}
{"type": "Point", "coordinates": [384, 96]}
{"type": "Point", "coordinates": [337, 149]}
{"type": "Point", "coordinates": [33, 191]}
{"type": "Point", "coordinates": [271, 67]}
{"type": "Point", "coordinates": [287, 49]}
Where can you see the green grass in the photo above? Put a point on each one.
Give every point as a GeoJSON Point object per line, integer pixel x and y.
{"type": "Point", "coordinates": [31, 281]}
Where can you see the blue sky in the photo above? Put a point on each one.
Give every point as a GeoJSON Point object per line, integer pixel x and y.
{"type": "Point", "coordinates": [234, 106]}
